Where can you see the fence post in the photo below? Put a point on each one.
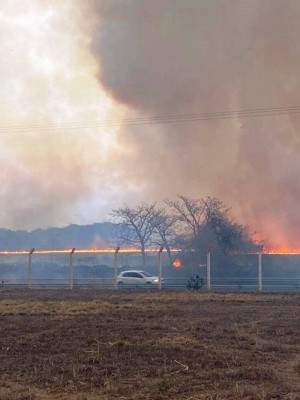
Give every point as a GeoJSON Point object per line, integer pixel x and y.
{"type": "Point", "coordinates": [208, 270]}
{"type": "Point", "coordinates": [260, 284]}
{"type": "Point", "coordinates": [71, 271]}
{"type": "Point", "coordinates": [116, 267]}
{"type": "Point", "coordinates": [30, 268]}
{"type": "Point", "coordinates": [160, 267]}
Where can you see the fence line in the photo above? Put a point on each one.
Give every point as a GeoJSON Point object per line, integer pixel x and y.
{"type": "Point", "coordinates": [258, 283]}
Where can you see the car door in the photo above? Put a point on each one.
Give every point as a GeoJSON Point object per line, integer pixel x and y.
{"type": "Point", "coordinates": [134, 278]}
{"type": "Point", "coordinates": [138, 278]}
{"type": "Point", "coordinates": [128, 278]}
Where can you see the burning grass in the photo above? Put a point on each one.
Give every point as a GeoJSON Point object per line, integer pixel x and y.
{"type": "Point", "coordinates": [87, 345]}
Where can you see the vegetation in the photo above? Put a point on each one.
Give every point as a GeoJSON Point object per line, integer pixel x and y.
{"type": "Point", "coordinates": [209, 225]}
{"type": "Point", "coordinates": [87, 345]}
{"type": "Point", "coordinates": [185, 222]}
{"type": "Point", "coordinates": [136, 226]}
{"type": "Point", "coordinates": [191, 224]}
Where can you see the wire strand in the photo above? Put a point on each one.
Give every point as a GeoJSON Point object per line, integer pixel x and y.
{"type": "Point", "coordinates": [164, 119]}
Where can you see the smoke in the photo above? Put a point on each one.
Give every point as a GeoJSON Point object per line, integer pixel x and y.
{"type": "Point", "coordinates": [171, 57]}
{"type": "Point", "coordinates": [48, 76]}
{"type": "Point", "coordinates": [73, 61]}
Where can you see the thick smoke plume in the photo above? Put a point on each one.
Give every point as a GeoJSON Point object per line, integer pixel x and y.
{"type": "Point", "coordinates": [171, 57]}
{"type": "Point", "coordinates": [48, 76]}
{"type": "Point", "coordinates": [71, 61]}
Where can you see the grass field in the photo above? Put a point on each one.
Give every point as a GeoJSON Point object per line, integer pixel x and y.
{"type": "Point", "coordinates": [126, 345]}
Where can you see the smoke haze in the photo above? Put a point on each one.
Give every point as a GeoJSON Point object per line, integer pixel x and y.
{"type": "Point", "coordinates": [72, 61]}
{"type": "Point", "coordinates": [170, 57]}
{"type": "Point", "coordinates": [48, 76]}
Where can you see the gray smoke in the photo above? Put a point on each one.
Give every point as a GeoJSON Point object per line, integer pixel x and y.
{"type": "Point", "coordinates": [170, 57]}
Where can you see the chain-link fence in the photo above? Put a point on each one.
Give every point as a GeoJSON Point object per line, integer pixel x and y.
{"type": "Point", "coordinates": [129, 269]}
{"type": "Point", "coordinates": [14, 269]}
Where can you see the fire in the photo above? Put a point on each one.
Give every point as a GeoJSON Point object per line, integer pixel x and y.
{"type": "Point", "coordinates": [81, 251]}
{"type": "Point", "coordinates": [177, 263]}
{"type": "Point", "coordinates": [272, 249]}
{"type": "Point", "coordinates": [282, 250]}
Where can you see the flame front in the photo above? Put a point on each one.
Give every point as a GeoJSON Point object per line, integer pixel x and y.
{"type": "Point", "coordinates": [85, 251]}
{"type": "Point", "coordinates": [282, 250]}
{"type": "Point", "coordinates": [271, 249]}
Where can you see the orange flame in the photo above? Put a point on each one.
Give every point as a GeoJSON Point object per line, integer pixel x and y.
{"type": "Point", "coordinates": [282, 250]}
{"type": "Point", "coordinates": [81, 251]}
{"type": "Point", "coordinates": [274, 249]}
{"type": "Point", "coordinates": [177, 263]}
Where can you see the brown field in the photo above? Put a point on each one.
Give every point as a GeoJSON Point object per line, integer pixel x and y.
{"type": "Point", "coordinates": [126, 345]}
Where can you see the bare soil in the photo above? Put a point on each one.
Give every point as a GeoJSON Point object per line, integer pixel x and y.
{"type": "Point", "coordinates": [148, 345]}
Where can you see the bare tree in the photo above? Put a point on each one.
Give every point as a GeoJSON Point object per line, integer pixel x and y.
{"type": "Point", "coordinates": [190, 212]}
{"type": "Point", "coordinates": [136, 225]}
{"type": "Point", "coordinates": [209, 223]}
{"type": "Point", "coordinates": [228, 234]}
{"type": "Point", "coordinates": [164, 230]}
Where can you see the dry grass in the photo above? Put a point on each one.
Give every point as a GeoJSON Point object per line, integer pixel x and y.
{"type": "Point", "coordinates": [53, 308]}
{"type": "Point", "coordinates": [87, 345]}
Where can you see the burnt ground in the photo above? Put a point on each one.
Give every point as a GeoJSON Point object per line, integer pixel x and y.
{"type": "Point", "coordinates": [128, 345]}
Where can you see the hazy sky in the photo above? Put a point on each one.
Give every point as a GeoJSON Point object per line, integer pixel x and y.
{"type": "Point", "coordinates": [74, 62]}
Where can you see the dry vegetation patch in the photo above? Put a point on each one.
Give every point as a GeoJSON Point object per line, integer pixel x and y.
{"type": "Point", "coordinates": [87, 345]}
{"type": "Point", "coordinates": [61, 308]}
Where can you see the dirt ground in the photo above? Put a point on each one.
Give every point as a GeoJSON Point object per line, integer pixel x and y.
{"type": "Point", "coordinates": [147, 345]}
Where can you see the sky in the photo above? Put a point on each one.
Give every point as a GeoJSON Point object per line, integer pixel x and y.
{"type": "Point", "coordinates": [74, 73]}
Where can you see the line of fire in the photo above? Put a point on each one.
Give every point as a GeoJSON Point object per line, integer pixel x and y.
{"type": "Point", "coordinates": [272, 250]}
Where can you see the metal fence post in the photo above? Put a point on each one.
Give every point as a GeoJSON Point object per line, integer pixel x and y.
{"type": "Point", "coordinates": [71, 271]}
{"type": "Point", "coordinates": [30, 268]}
{"type": "Point", "coordinates": [116, 267]}
{"type": "Point", "coordinates": [260, 284]}
{"type": "Point", "coordinates": [160, 267]}
{"type": "Point", "coordinates": [208, 271]}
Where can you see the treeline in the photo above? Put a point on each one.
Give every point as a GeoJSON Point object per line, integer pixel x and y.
{"type": "Point", "coordinates": [97, 235]}
{"type": "Point", "coordinates": [193, 225]}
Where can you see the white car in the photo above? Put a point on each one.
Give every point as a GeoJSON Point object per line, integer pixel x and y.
{"type": "Point", "coordinates": [137, 278]}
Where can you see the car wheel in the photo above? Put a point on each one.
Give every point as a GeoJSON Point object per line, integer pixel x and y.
{"type": "Point", "coordinates": [149, 283]}
{"type": "Point", "coordinates": [120, 283]}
